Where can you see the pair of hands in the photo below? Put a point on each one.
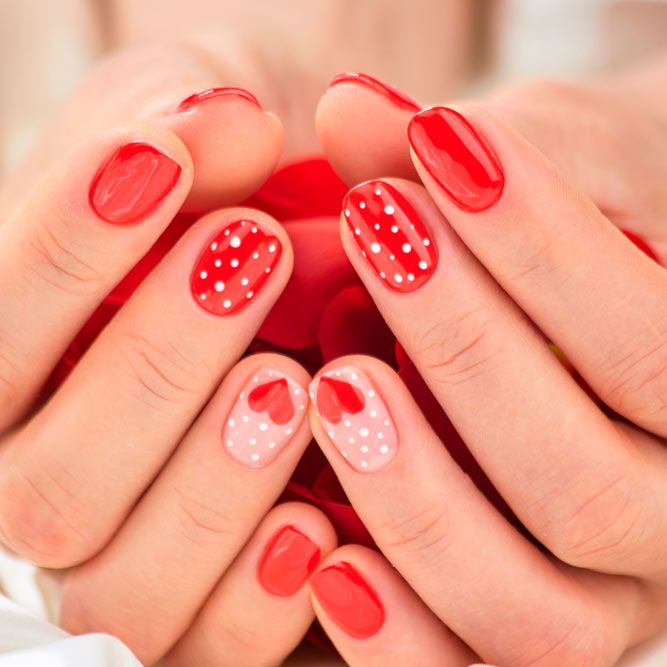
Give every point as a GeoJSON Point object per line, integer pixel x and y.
{"type": "Point", "coordinates": [172, 544]}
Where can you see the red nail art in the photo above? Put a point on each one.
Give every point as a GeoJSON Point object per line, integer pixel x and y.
{"type": "Point", "coordinates": [211, 93]}
{"type": "Point", "coordinates": [337, 396]}
{"type": "Point", "coordinates": [394, 95]}
{"type": "Point", "coordinates": [233, 267]}
{"type": "Point", "coordinates": [456, 157]}
{"type": "Point", "coordinates": [348, 600]}
{"type": "Point", "coordinates": [273, 398]}
{"type": "Point", "coordinates": [391, 235]}
{"type": "Point", "coordinates": [288, 560]}
{"type": "Point", "coordinates": [132, 183]}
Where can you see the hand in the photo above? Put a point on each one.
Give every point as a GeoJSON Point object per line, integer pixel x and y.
{"type": "Point", "coordinates": [499, 239]}
{"type": "Point", "coordinates": [121, 476]}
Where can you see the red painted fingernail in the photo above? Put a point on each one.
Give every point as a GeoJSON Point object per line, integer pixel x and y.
{"type": "Point", "coordinates": [288, 560]}
{"type": "Point", "coordinates": [391, 235]}
{"type": "Point", "coordinates": [233, 267]}
{"type": "Point", "coordinates": [397, 97]}
{"type": "Point", "coordinates": [132, 183]}
{"type": "Point", "coordinates": [456, 157]}
{"type": "Point", "coordinates": [264, 418]}
{"type": "Point", "coordinates": [211, 93]}
{"type": "Point", "coordinates": [348, 599]}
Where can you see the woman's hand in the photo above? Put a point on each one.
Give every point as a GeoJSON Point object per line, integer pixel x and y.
{"type": "Point", "coordinates": [151, 471]}
{"type": "Point", "coordinates": [463, 269]}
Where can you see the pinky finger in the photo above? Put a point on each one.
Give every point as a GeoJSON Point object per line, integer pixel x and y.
{"type": "Point", "coordinates": [374, 618]}
{"type": "Point", "coordinates": [261, 609]}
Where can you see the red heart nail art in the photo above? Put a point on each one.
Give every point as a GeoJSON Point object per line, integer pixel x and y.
{"type": "Point", "coordinates": [335, 397]}
{"type": "Point", "coordinates": [273, 398]}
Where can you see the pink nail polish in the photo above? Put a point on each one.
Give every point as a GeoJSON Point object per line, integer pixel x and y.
{"type": "Point", "coordinates": [264, 418]}
{"type": "Point", "coordinates": [356, 418]}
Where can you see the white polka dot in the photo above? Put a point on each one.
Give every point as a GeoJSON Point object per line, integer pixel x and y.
{"type": "Point", "coordinates": [254, 230]}
{"type": "Point", "coordinates": [357, 231]}
{"type": "Point", "coordinates": [392, 257]}
{"type": "Point", "coordinates": [263, 426]}
{"type": "Point", "coordinates": [373, 414]}
{"type": "Point", "coordinates": [272, 248]}
{"type": "Point", "coordinates": [227, 232]}
{"type": "Point", "coordinates": [234, 263]}
{"type": "Point", "coordinates": [354, 376]}
{"type": "Point", "coordinates": [378, 192]}
{"type": "Point", "coordinates": [423, 265]}
{"type": "Point", "coordinates": [255, 255]}
{"type": "Point", "coordinates": [202, 297]}
{"type": "Point", "coordinates": [398, 277]}
{"type": "Point", "coordinates": [219, 286]}
{"type": "Point", "coordinates": [243, 223]}
{"type": "Point", "coordinates": [267, 269]}
{"type": "Point", "coordinates": [377, 226]}
{"type": "Point", "coordinates": [253, 441]}
{"type": "Point", "coordinates": [235, 242]}
{"type": "Point", "coordinates": [362, 204]}
{"type": "Point", "coordinates": [380, 436]}
{"type": "Point", "coordinates": [363, 464]}
{"type": "Point", "coordinates": [394, 228]}
{"type": "Point", "coordinates": [227, 303]}
{"type": "Point", "coordinates": [231, 422]}
{"type": "Point", "coordinates": [384, 449]}
{"type": "Point", "coordinates": [383, 275]}
{"type": "Point", "coordinates": [289, 431]}
{"type": "Point", "coordinates": [330, 434]}
{"type": "Point", "coordinates": [249, 295]}
{"type": "Point", "coordinates": [297, 392]}
{"type": "Point", "coordinates": [371, 393]}
{"type": "Point", "coordinates": [214, 246]}
{"type": "Point", "coordinates": [406, 247]}
{"type": "Point", "coordinates": [218, 263]}
{"type": "Point", "coordinates": [427, 242]}
{"type": "Point", "coordinates": [244, 281]}
{"type": "Point", "coordinates": [351, 440]}
{"type": "Point", "coordinates": [375, 248]}
{"type": "Point", "coordinates": [389, 209]}
{"type": "Point", "coordinates": [255, 457]}
{"type": "Point", "coordinates": [347, 213]}
{"type": "Point", "coordinates": [271, 445]}
{"type": "Point", "coordinates": [386, 422]}
{"type": "Point", "coordinates": [363, 432]}
{"type": "Point", "coordinates": [347, 423]}
{"type": "Point", "coordinates": [245, 419]}
{"type": "Point", "coordinates": [203, 275]}
{"type": "Point", "coordinates": [411, 276]}
{"type": "Point", "coordinates": [364, 449]}
{"type": "Point", "coordinates": [230, 443]}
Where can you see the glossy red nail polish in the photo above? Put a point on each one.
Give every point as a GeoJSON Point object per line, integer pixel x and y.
{"type": "Point", "coordinates": [233, 267]}
{"type": "Point", "coordinates": [212, 93]}
{"type": "Point", "coordinates": [348, 600]}
{"type": "Point", "coordinates": [390, 235]}
{"type": "Point", "coordinates": [288, 560]}
{"type": "Point", "coordinates": [394, 95]}
{"type": "Point", "coordinates": [132, 183]}
{"type": "Point", "coordinates": [457, 159]}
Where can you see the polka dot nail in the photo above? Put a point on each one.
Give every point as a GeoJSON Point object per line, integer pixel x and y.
{"type": "Point", "coordinates": [233, 267]}
{"type": "Point", "coordinates": [355, 417]}
{"type": "Point", "coordinates": [390, 235]}
{"type": "Point", "coordinates": [264, 418]}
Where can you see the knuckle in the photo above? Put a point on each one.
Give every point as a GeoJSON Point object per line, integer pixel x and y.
{"type": "Point", "coordinates": [419, 533]}
{"type": "Point", "coordinates": [203, 521]}
{"type": "Point", "coordinates": [161, 372]}
{"type": "Point", "coordinates": [59, 263]}
{"type": "Point", "coordinates": [456, 352]}
{"type": "Point", "coordinates": [248, 643]}
{"type": "Point", "coordinates": [40, 520]}
{"type": "Point", "coordinates": [636, 380]}
{"type": "Point", "coordinates": [605, 528]}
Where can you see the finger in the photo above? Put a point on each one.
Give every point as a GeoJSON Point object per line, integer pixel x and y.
{"type": "Point", "coordinates": [578, 485]}
{"type": "Point", "coordinates": [70, 476]}
{"type": "Point", "coordinates": [374, 618]}
{"type": "Point", "coordinates": [201, 510]}
{"type": "Point", "coordinates": [93, 216]}
{"type": "Point", "coordinates": [261, 609]}
{"type": "Point", "coordinates": [554, 253]}
{"type": "Point", "coordinates": [358, 110]}
{"type": "Point", "coordinates": [234, 143]}
{"type": "Point", "coordinates": [475, 572]}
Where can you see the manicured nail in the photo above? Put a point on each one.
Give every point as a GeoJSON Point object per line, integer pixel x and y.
{"type": "Point", "coordinates": [288, 560]}
{"type": "Point", "coordinates": [356, 418]}
{"type": "Point", "coordinates": [212, 93]}
{"type": "Point", "coordinates": [233, 267]}
{"type": "Point", "coordinates": [135, 179]}
{"type": "Point", "coordinates": [456, 158]}
{"type": "Point", "coordinates": [348, 600]}
{"type": "Point", "coordinates": [264, 418]}
{"type": "Point", "coordinates": [395, 96]}
{"type": "Point", "coordinates": [391, 235]}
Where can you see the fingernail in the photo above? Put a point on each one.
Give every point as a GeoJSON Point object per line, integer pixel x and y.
{"type": "Point", "coordinates": [395, 96]}
{"type": "Point", "coordinates": [288, 560]}
{"type": "Point", "coordinates": [356, 418]}
{"type": "Point", "coordinates": [233, 267]}
{"type": "Point", "coordinates": [348, 600]}
{"type": "Point", "coordinates": [205, 95]}
{"type": "Point", "coordinates": [135, 179]}
{"type": "Point", "coordinates": [264, 418]}
{"type": "Point", "coordinates": [390, 235]}
{"type": "Point", "coordinates": [456, 158]}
